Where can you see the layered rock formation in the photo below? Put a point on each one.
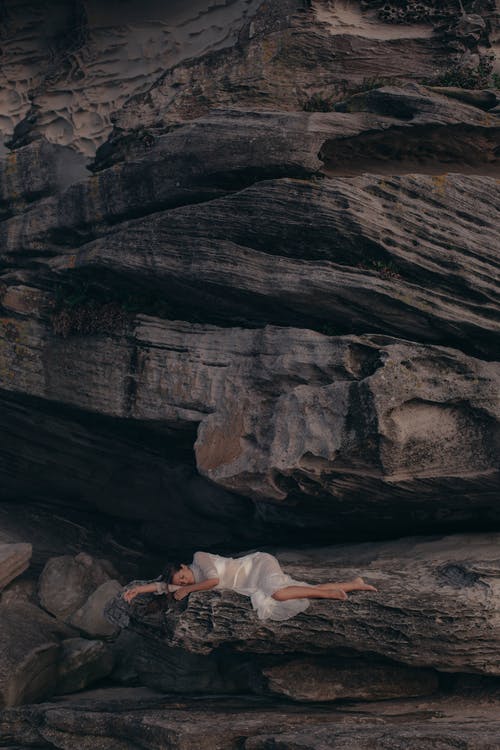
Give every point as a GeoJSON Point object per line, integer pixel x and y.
{"type": "Point", "coordinates": [249, 296]}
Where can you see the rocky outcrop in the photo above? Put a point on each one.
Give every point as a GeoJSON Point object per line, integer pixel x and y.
{"type": "Point", "coordinates": [269, 316]}
{"type": "Point", "coordinates": [126, 718]}
{"type": "Point", "coordinates": [72, 72]}
{"type": "Point", "coordinates": [14, 560]}
{"type": "Point", "coordinates": [68, 68]}
{"type": "Point", "coordinates": [427, 412]}
{"type": "Point", "coordinates": [437, 606]}
{"type": "Point", "coordinates": [444, 735]}
{"type": "Point", "coordinates": [341, 254]}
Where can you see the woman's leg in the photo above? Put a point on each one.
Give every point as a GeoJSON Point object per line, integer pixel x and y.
{"type": "Point", "coordinates": [308, 592]}
{"type": "Point", "coordinates": [357, 584]}
{"type": "Point", "coordinates": [322, 590]}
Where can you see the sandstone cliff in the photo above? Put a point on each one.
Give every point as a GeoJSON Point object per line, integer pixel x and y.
{"type": "Point", "coordinates": [249, 296]}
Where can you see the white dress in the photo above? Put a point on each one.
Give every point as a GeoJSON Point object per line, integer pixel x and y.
{"type": "Point", "coordinates": [257, 575]}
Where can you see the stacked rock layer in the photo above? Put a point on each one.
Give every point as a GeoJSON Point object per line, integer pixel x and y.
{"type": "Point", "coordinates": [249, 297]}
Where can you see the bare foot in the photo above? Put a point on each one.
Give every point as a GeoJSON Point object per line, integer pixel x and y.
{"type": "Point", "coordinates": [362, 586]}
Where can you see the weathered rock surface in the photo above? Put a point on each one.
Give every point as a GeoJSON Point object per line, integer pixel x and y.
{"type": "Point", "coordinates": [325, 679]}
{"type": "Point", "coordinates": [436, 287]}
{"type": "Point", "coordinates": [437, 606]}
{"type": "Point", "coordinates": [143, 660]}
{"type": "Point", "coordinates": [66, 583]}
{"type": "Point", "coordinates": [83, 662]}
{"type": "Point", "coordinates": [29, 653]}
{"type": "Point", "coordinates": [127, 719]}
{"type": "Point", "coordinates": [14, 560]}
{"type": "Point", "coordinates": [68, 68]}
{"type": "Point", "coordinates": [271, 314]}
{"type": "Point", "coordinates": [71, 72]}
{"type": "Point", "coordinates": [308, 58]}
{"type": "Point", "coordinates": [323, 417]}
{"type": "Point", "coordinates": [414, 734]}
{"type": "Point", "coordinates": [20, 591]}
{"type": "Point", "coordinates": [341, 254]}
{"type": "Point", "coordinates": [89, 617]}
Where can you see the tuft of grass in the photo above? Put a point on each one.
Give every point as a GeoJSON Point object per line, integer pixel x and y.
{"type": "Point", "coordinates": [90, 318]}
{"type": "Point", "coordinates": [82, 308]}
{"type": "Point", "coordinates": [320, 102]}
{"type": "Point", "coordinates": [386, 269]}
{"type": "Point", "coordinates": [472, 77]}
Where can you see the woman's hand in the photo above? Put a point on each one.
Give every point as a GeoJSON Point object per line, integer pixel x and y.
{"type": "Point", "coordinates": [129, 595]}
{"type": "Point", "coordinates": [181, 593]}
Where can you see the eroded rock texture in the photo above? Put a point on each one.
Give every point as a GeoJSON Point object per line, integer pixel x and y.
{"type": "Point", "coordinates": [439, 607]}
{"type": "Point", "coordinates": [130, 719]}
{"type": "Point", "coordinates": [271, 234]}
{"type": "Point", "coordinates": [249, 296]}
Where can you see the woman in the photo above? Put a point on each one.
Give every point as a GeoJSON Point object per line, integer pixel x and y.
{"type": "Point", "coordinates": [273, 593]}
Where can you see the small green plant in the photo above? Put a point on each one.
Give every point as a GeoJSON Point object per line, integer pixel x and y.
{"type": "Point", "coordinates": [477, 77]}
{"type": "Point", "coordinates": [372, 82]}
{"type": "Point", "coordinates": [320, 102]}
{"type": "Point", "coordinates": [83, 308]}
{"type": "Point", "coordinates": [386, 269]}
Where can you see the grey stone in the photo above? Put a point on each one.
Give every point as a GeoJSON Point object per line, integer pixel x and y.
{"type": "Point", "coordinates": [14, 560]}
{"type": "Point", "coordinates": [67, 582]}
{"type": "Point", "coordinates": [23, 591]}
{"type": "Point", "coordinates": [324, 679]}
{"type": "Point", "coordinates": [29, 653]}
{"type": "Point", "coordinates": [89, 617]}
{"type": "Point", "coordinates": [82, 662]}
{"type": "Point", "coordinates": [418, 736]}
{"type": "Point", "coordinates": [352, 418]}
{"type": "Point", "coordinates": [126, 718]}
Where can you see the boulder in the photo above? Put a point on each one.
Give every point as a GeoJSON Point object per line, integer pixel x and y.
{"type": "Point", "coordinates": [437, 606]}
{"type": "Point", "coordinates": [89, 617]}
{"type": "Point", "coordinates": [67, 582]}
{"type": "Point", "coordinates": [14, 560]}
{"type": "Point", "coordinates": [82, 662]}
{"type": "Point", "coordinates": [29, 653]}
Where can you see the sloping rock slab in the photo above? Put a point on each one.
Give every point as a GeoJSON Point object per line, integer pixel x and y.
{"type": "Point", "coordinates": [356, 418]}
{"type": "Point", "coordinates": [128, 719]}
{"type": "Point", "coordinates": [412, 736]}
{"type": "Point", "coordinates": [437, 605]}
{"type": "Point", "coordinates": [14, 560]}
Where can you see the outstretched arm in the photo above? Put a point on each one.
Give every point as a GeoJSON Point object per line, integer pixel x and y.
{"type": "Point", "coordinates": [183, 591]}
{"type": "Point", "coordinates": [145, 588]}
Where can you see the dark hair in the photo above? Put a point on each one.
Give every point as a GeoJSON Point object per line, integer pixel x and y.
{"type": "Point", "coordinates": [170, 570]}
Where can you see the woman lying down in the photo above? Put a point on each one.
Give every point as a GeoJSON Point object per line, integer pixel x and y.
{"type": "Point", "coordinates": [273, 593]}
